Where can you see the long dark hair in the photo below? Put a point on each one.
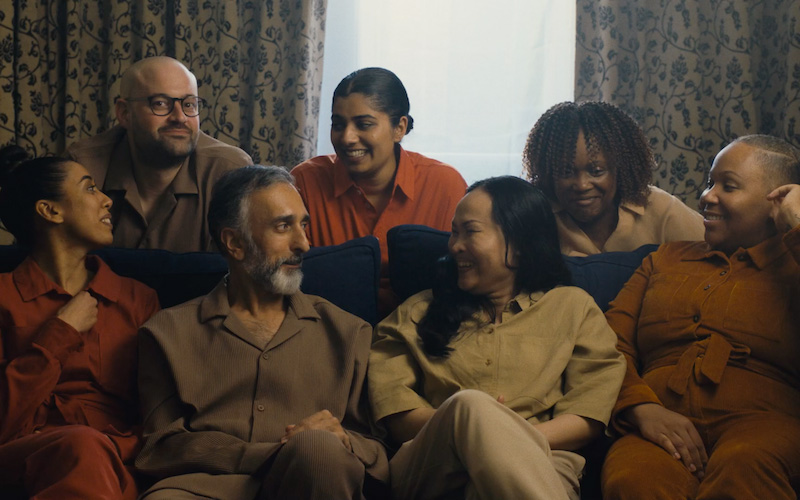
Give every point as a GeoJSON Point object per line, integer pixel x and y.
{"type": "Point", "coordinates": [384, 90]}
{"type": "Point", "coordinates": [526, 219]}
{"type": "Point", "coordinates": [23, 182]}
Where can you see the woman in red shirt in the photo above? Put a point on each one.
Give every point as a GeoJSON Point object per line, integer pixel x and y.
{"type": "Point", "coordinates": [68, 328]}
{"type": "Point", "coordinates": [372, 184]}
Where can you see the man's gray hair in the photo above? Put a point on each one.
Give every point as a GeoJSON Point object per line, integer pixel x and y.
{"type": "Point", "coordinates": [228, 208]}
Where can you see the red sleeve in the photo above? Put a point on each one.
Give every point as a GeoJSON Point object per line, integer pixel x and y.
{"type": "Point", "coordinates": [27, 381]}
{"type": "Point", "coordinates": [623, 317]}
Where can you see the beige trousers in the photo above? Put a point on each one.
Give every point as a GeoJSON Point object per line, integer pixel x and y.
{"type": "Point", "coordinates": [476, 448]}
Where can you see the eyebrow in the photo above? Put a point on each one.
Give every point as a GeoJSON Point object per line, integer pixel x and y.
{"type": "Point", "coordinates": [467, 222]}
{"type": "Point", "coordinates": [290, 218]}
{"type": "Point", "coordinates": [86, 177]}
{"type": "Point", "coordinates": [359, 117]}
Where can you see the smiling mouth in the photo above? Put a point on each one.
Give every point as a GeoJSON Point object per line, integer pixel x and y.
{"type": "Point", "coordinates": [355, 153]}
{"type": "Point", "coordinates": [713, 217]}
{"type": "Point", "coordinates": [584, 201]}
{"type": "Point", "coordinates": [106, 220]}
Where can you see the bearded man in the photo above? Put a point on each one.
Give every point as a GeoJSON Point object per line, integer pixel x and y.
{"type": "Point", "coordinates": [257, 390]}
{"type": "Point", "coordinates": [157, 166]}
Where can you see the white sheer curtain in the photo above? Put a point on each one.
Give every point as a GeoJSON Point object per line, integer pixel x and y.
{"type": "Point", "coordinates": [478, 74]}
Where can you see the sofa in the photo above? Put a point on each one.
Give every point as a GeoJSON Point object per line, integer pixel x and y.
{"type": "Point", "coordinates": [348, 276]}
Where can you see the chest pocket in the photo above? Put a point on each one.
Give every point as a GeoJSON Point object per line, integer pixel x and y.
{"type": "Point", "coordinates": [754, 309]}
{"type": "Point", "coordinates": [660, 298]}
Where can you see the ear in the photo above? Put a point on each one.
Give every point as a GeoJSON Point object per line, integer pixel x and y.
{"type": "Point", "coordinates": [49, 211]}
{"type": "Point", "coordinates": [400, 129]}
{"type": "Point", "coordinates": [232, 243]}
{"type": "Point", "coordinates": [122, 109]}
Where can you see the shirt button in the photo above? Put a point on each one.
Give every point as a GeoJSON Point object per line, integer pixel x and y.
{"type": "Point", "coordinates": [723, 273]}
{"type": "Point", "coordinates": [707, 287]}
{"type": "Point", "coordinates": [260, 407]}
{"type": "Point", "coordinates": [488, 362]}
{"type": "Point", "coordinates": [696, 318]}
{"type": "Point", "coordinates": [265, 356]}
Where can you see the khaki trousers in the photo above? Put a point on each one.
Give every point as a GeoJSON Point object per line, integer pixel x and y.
{"type": "Point", "coordinates": [476, 448]}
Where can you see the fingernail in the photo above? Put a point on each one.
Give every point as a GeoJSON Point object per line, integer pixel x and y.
{"type": "Point", "coordinates": [692, 468]}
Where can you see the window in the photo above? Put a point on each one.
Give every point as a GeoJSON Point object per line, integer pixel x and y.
{"type": "Point", "coordinates": [478, 74]}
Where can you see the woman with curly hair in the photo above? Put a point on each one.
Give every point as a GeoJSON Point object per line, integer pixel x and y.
{"type": "Point", "coordinates": [593, 161]}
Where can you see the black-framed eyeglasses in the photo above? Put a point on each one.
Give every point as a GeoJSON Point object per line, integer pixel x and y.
{"type": "Point", "coordinates": [162, 104]}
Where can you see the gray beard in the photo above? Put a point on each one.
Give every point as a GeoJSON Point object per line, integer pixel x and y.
{"type": "Point", "coordinates": [271, 275]}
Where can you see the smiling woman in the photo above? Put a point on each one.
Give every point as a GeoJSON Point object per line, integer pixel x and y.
{"type": "Point", "coordinates": [372, 184]}
{"type": "Point", "coordinates": [594, 163]}
{"type": "Point", "coordinates": [502, 356]}
{"type": "Point", "coordinates": [710, 404]}
{"type": "Point", "coordinates": [67, 335]}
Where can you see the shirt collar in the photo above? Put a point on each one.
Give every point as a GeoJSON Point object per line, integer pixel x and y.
{"type": "Point", "coordinates": [403, 179]}
{"type": "Point", "coordinates": [525, 300]}
{"type": "Point", "coordinates": [32, 282]}
{"type": "Point", "coordinates": [762, 254]}
{"type": "Point", "coordinates": [216, 304]}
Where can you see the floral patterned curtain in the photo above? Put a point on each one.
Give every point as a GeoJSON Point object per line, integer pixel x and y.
{"type": "Point", "coordinates": [695, 74]}
{"type": "Point", "coordinates": [258, 64]}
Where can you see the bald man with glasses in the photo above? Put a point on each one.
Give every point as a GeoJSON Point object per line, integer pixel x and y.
{"type": "Point", "coordinates": [156, 165]}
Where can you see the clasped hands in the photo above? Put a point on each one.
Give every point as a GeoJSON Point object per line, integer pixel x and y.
{"type": "Point", "coordinates": [322, 420]}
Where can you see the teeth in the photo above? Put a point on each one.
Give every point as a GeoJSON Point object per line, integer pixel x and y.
{"type": "Point", "coordinates": [713, 217]}
{"type": "Point", "coordinates": [356, 154]}
{"type": "Point", "coordinates": [463, 265]}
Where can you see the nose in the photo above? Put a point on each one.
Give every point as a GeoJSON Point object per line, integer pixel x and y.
{"type": "Point", "coordinates": [708, 197]}
{"type": "Point", "coordinates": [106, 201]}
{"type": "Point", "coordinates": [454, 244]}
{"type": "Point", "coordinates": [349, 135]}
{"type": "Point", "coordinates": [581, 181]}
{"type": "Point", "coordinates": [177, 113]}
{"type": "Point", "coordinates": [300, 241]}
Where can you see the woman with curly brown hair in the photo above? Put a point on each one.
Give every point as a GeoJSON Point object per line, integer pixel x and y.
{"type": "Point", "coordinates": [593, 161]}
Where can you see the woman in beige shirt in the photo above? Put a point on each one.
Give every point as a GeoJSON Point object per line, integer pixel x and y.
{"type": "Point", "coordinates": [495, 375]}
{"type": "Point", "coordinates": [594, 164]}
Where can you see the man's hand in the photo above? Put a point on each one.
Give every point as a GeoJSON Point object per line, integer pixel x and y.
{"type": "Point", "coordinates": [671, 431]}
{"type": "Point", "coordinates": [785, 206]}
{"type": "Point", "coordinates": [80, 312]}
{"type": "Point", "coordinates": [322, 420]}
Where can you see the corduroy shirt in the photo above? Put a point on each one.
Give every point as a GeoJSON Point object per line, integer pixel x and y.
{"type": "Point", "coordinates": [699, 310]}
{"type": "Point", "coordinates": [216, 400]}
{"type": "Point", "coordinates": [53, 375]}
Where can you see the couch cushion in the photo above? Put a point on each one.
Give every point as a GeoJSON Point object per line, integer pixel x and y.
{"type": "Point", "coordinates": [345, 274]}
{"type": "Point", "coordinates": [414, 249]}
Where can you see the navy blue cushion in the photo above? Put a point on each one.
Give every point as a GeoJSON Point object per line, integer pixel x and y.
{"type": "Point", "coordinates": [414, 249]}
{"type": "Point", "coordinates": [345, 274]}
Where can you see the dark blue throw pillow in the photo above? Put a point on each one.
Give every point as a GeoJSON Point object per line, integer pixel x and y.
{"type": "Point", "coordinates": [414, 249]}
{"type": "Point", "coordinates": [347, 274]}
